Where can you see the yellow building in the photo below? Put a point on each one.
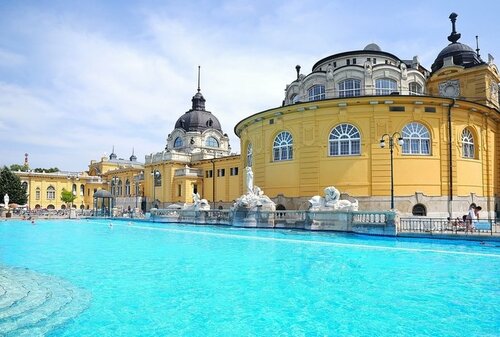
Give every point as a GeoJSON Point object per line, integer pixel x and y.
{"type": "Point", "coordinates": [381, 129]}
{"type": "Point", "coordinates": [44, 189]}
{"type": "Point", "coordinates": [197, 159]}
{"type": "Point", "coordinates": [333, 121]}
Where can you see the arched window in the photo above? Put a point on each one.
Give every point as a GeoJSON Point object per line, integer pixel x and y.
{"type": "Point", "coordinates": [178, 142]}
{"type": "Point", "coordinates": [294, 98]}
{"type": "Point", "coordinates": [73, 189]}
{"type": "Point", "coordinates": [283, 146]}
{"type": "Point", "coordinates": [51, 193]}
{"type": "Point", "coordinates": [127, 188]}
{"type": "Point", "coordinates": [415, 88]}
{"type": "Point", "coordinates": [344, 140]}
{"type": "Point", "coordinates": [419, 210]}
{"type": "Point", "coordinates": [385, 86]}
{"type": "Point", "coordinates": [82, 189]}
{"type": "Point", "coordinates": [211, 142]}
{"type": "Point", "coordinates": [157, 178]}
{"type": "Point", "coordinates": [37, 193]}
{"type": "Point", "coordinates": [51, 206]}
{"type": "Point", "coordinates": [24, 185]}
{"type": "Point", "coordinates": [467, 144]}
{"type": "Point", "coordinates": [416, 139]}
{"type": "Point", "coordinates": [120, 187]}
{"type": "Point", "coordinates": [349, 88]}
{"type": "Point", "coordinates": [249, 155]}
{"type": "Point", "coordinates": [316, 92]}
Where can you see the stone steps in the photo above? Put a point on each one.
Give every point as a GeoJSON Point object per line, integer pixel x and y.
{"type": "Point", "coordinates": [33, 304]}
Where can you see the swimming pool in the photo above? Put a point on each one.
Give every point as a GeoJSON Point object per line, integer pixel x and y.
{"type": "Point", "coordinates": [142, 279]}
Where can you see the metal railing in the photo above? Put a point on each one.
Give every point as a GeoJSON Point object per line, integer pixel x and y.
{"type": "Point", "coordinates": [448, 226]}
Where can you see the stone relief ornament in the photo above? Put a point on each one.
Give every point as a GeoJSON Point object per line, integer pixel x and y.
{"type": "Point", "coordinates": [329, 73]}
{"type": "Point", "coordinates": [494, 91]}
{"type": "Point", "coordinates": [449, 88]}
{"type": "Point", "coordinates": [404, 73]}
{"type": "Point", "coordinates": [368, 68]}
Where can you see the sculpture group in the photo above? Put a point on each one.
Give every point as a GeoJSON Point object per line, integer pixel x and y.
{"type": "Point", "coordinates": [331, 202]}
{"type": "Point", "coordinates": [254, 199]}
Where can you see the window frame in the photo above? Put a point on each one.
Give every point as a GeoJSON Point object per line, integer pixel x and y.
{"type": "Point", "coordinates": [349, 92]}
{"type": "Point", "coordinates": [468, 145]}
{"type": "Point", "coordinates": [210, 141]}
{"type": "Point", "coordinates": [316, 92]}
{"type": "Point", "coordinates": [384, 90]}
{"type": "Point", "coordinates": [345, 134]}
{"type": "Point", "coordinates": [283, 147]}
{"type": "Point", "coordinates": [416, 145]}
{"type": "Point", "coordinates": [413, 92]}
{"type": "Point", "coordinates": [178, 142]}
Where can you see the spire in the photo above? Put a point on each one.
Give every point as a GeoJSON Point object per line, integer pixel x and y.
{"type": "Point", "coordinates": [198, 78]}
{"type": "Point", "coordinates": [454, 36]}
{"type": "Point", "coordinates": [133, 157]}
{"type": "Point", "coordinates": [112, 155]}
{"type": "Point", "coordinates": [198, 99]}
{"type": "Point", "coordinates": [477, 46]}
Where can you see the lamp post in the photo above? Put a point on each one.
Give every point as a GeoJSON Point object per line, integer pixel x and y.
{"type": "Point", "coordinates": [155, 173]}
{"type": "Point", "coordinates": [391, 146]}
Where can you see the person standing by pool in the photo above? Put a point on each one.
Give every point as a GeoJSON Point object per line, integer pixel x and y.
{"type": "Point", "coordinates": [471, 218]}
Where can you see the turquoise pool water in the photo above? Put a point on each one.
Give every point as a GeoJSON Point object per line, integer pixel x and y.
{"type": "Point", "coordinates": [144, 279]}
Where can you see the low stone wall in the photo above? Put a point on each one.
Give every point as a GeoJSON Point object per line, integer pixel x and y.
{"type": "Point", "coordinates": [372, 223]}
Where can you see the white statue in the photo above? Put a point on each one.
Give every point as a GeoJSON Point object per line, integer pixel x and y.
{"type": "Point", "coordinates": [368, 68]}
{"type": "Point", "coordinates": [6, 200]}
{"type": "Point", "coordinates": [332, 202]}
{"type": "Point", "coordinates": [329, 73]}
{"type": "Point", "coordinates": [404, 72]}
{"type": "Point", "coordinates": [249, 179]}
{"type": "Point", "coordinates": [254, 198]}
{"type": "Point", "coordinates": [198, 204]}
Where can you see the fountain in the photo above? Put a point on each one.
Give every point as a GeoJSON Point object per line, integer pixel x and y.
{"type": "Point", "coordinates": [330, 212]}
{"type": "Point", "coordinates": [253, 208]}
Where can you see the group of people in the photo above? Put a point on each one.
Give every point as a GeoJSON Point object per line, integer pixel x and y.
{"type": "Point", "coordinates": [470, 219]}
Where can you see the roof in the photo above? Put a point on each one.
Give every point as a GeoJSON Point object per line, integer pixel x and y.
{"type": "Point", "coordinates": [102, 194]}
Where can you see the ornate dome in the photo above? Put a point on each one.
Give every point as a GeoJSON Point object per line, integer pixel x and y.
{"type": "Point", "coordinates": [463, 55]}
{"type": "Point", "coordinates": [372, 47]}
{"type": "Point", "coordinates": [198, 119]}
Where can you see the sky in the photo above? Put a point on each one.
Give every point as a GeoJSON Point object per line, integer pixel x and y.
{"type": "Point", "coordinates": [79, 77]}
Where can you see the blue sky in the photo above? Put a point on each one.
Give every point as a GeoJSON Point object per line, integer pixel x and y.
{"type": "Point", "coordinates": [77, 77]}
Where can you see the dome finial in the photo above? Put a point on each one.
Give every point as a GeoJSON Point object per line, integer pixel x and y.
{"type": "Point", "coordinates": [454, 36]}
{"type": "Point", "coordinates": [112, 155]}
{"type": "Point", "coordinates": [198, 78]}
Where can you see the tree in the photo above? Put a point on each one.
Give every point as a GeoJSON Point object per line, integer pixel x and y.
{"type": "Point", "coordinates": [17, 167]}
{"type": "Point", "coordinates": [11, 184]}
{"type": "Point", "coordinates": [67, 196]}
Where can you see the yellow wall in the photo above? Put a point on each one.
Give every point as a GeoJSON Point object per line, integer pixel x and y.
{"type": "Point", "coordinates": [368, 174]}
{"type": "Point", "coordinates": [227, 187]}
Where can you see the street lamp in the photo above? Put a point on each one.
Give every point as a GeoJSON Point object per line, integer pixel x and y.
{"type": "Point", "coordinates": [391, 146]}
{"type": "Point", "coordinates": [154, 174]}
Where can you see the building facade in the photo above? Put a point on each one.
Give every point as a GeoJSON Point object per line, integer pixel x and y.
{"type": "Point", "coordinates": [440, 129]}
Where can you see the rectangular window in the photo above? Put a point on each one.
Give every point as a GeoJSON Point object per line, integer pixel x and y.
{"type": "Point", "coordinates": [271, 121]}
{"type": "Point", "coordinates": [234, 171]}
{"type": "Point", "coordinates": [353, 61]}
{"type": "Point", "coordinates": [374, 60]}
{"type": "Point", "coordinates": [335, 64]}
{"type": "Point", "coordinates": [179, 190]}
{"type": "Point", "coordinates": [221, 172]}
{"type": "Point", "coordinates": [209, 174]}
{"type": "Point", "coordinates": [37, 195]}
{"type": "Point", "coordinates": [430, 109]}
{"type": "Point", "coordinates": [348, 62]}
{"type": "Point", "coordinates": [397, 108]}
